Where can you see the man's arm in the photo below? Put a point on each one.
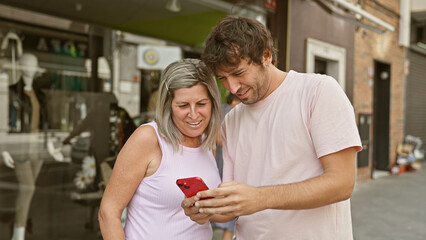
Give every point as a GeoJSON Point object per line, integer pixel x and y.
{"type": "Point", "coordinates": [334, 185]}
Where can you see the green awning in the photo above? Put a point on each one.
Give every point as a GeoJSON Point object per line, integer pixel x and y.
{"type": "Point", "coordinates": [191, 29]}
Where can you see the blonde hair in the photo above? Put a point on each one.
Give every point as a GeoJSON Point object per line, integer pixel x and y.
{"type": "Point", "coordinates": [187, 73]}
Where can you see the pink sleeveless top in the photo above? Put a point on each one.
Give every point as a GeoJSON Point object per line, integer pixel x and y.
{"type": "Point", "coordinates": [154, 212]}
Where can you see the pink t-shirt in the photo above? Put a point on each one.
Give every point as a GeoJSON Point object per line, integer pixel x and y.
{"type": "Point", "coordinates": [279, 140]}
{"type": "Point", "coordinates": [155, 210]}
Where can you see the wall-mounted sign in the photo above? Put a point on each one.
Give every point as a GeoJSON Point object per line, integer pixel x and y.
{"type": "Point", "coordinates": [272, 4]}
{"type": "Point", "coordinates": [157, 57]}
{"type": "Point", "coordinates": [150, 56]}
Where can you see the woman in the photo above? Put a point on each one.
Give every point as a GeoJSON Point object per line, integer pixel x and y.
{"type": "Point", "coordinates": [178, 144]}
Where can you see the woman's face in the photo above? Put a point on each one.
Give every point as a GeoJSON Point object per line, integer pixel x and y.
{"type": "Point", "coordinates": [191, 113]}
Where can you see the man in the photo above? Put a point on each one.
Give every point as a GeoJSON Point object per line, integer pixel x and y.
{"type": "Point", "coordinates": [289, 151]}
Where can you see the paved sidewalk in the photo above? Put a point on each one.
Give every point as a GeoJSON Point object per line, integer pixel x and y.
{"type": "Point", "coordinates": [391, 207]}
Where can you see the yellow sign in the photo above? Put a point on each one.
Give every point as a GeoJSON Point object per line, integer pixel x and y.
{"type": "Point", "coordinates": [150, 56]}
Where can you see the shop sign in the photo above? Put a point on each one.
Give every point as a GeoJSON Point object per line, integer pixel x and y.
{"type": "Point", "coordinates": [157, 57]}
{"type": "Point", "coordinates": [271, 4]}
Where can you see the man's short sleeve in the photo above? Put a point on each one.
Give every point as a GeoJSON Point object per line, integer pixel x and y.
{"type": "Point", "coordinates": [332, 124]}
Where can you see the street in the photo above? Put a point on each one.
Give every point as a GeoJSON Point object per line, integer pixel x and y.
{"type": "Point", "coordinates": [391, 207]}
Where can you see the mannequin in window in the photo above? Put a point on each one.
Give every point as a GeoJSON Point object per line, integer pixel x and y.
{"type": "Point", "coordinates": [109, 125]}
{"type": "Point", "coordinates": [10, 51]}
{"type": "Point", "coordinates": [26, 170]}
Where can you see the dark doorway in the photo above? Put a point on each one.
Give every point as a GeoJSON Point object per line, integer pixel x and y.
{"type": "Point", "coordinates": [320, 66]}
{"type": "Point", "coordinates": [381, 116]}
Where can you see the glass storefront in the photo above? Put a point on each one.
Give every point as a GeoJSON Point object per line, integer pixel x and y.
{"type": "Point", "coordinates": [57, 138]}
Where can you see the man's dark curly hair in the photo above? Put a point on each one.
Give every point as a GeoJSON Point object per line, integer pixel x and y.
{"type": "Point", "coordinates": [236, 38]}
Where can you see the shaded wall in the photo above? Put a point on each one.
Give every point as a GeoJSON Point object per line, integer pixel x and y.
{"type": "Point", "coordinates": [309, 20]}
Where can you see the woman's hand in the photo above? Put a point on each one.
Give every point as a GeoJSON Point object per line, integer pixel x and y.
{"type": "Point", "coordinates": [193, 212]}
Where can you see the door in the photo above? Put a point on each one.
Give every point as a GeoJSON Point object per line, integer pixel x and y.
{"type": "Point", "coordinates": [381, 115]}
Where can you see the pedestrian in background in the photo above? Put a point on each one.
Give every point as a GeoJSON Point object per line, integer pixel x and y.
{"type": "Point", "coordinates": [231, 102]}
{"type": "Point", "coordinates": [289, 150]}
{"type": "Point", "coordinates": [227, 227]}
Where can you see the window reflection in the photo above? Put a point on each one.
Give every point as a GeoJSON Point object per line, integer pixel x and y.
{"type": "Point", "coordinates": [58, 142]}
{"type": "Point", "coordinates": [58, 139]}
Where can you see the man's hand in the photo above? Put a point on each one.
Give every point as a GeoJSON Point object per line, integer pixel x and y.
{"type": "Point", "coordinates": [231, 199]}
{"type": "Point", "coordinates": [193, 212]}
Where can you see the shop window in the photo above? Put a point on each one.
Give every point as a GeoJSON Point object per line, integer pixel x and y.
{"type": "Point", "coordinates": [56, 139]}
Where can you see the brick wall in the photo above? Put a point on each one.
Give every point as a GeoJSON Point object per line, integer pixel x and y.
{"type": "Point", "coordinates": [370, 46]}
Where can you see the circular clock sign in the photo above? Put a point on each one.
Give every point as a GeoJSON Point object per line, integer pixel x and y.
{"type": "Point", "coordinates": [150, 56]}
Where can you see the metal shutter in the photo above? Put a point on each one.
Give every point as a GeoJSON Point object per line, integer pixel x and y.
{"type": "Point", "coordinates": [415, 111]}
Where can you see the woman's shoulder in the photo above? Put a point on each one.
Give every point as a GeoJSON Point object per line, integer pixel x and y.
{"type": "Point", "coordinates": [144, 135]}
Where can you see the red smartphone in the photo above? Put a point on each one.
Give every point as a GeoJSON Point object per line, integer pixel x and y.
{"type": "Point", "coordinates": [190, 186]}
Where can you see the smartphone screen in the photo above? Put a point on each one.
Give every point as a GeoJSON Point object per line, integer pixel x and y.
{"type": "Point", "coordinates": [190, 186]}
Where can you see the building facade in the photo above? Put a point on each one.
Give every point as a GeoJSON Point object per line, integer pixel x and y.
{"type": "Point", "coordinates": [358, 43]}
{"type": "Point", "coordinates": [379, 88]}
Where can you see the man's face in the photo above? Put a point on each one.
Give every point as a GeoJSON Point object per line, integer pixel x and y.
{"type": "Point", "coordinates": [248, 81]}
